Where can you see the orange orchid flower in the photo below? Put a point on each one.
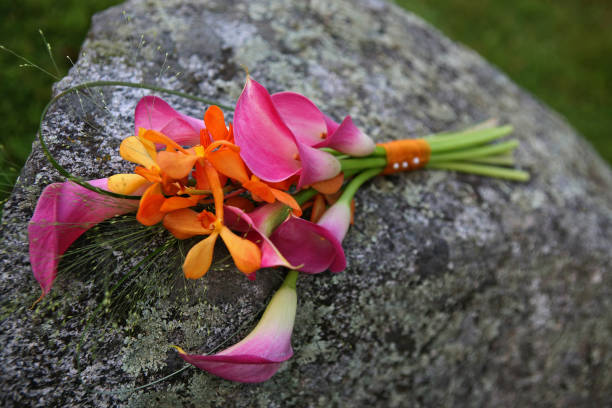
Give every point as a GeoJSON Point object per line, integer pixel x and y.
{"type": "Point", "coordinates": [185, 223]}
{"type": "Point", "coordinates": [153, 203]}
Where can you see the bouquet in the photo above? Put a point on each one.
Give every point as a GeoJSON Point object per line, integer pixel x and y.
{"type": "Point", "coordinates": [277, 186]}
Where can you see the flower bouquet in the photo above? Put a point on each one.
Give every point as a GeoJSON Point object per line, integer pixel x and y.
{"type": "Point", "coordinates": [277, 186]}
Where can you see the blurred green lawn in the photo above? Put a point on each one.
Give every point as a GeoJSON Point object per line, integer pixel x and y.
{"type": "Point", "coordinates": [560, 50]}
{"type": "Point", "coordinates": [25, 90]}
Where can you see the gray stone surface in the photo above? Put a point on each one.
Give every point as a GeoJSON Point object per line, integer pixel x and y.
{"type": "Point", "coordinates": [460, 291]}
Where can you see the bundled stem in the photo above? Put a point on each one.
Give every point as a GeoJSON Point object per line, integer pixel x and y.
{"type": "Point", "coordinates": [468, 151]}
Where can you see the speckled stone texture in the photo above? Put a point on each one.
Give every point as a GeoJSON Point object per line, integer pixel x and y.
{"type": "Point", "coordinates": [460, 290]}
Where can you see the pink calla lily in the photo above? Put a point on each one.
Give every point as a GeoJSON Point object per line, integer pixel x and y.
{"type": "Point", "coordinates": [63, 213]}
{"type": "Point", "coordinates": [313, 128]}
{"type": "Point", "coordinates": [238, 220]}
{"type": "Point", "coordinates": [310, 245]}
{"type": "Point", "coordinates": [152, 112]}
{"type": "Point", "coordinates": [294, 243]}
{"type": "Point", "coordinates": [259, 355]}
{"type": "Point", "coordinates": [337, 219]}
{"type": "Point", "coordinates": [268, 144]}
{"type": "Point", "coordinates": [317, 247]}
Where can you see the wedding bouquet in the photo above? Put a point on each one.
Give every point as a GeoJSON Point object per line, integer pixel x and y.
{"type": "Point", "coordinates": [277, 186]}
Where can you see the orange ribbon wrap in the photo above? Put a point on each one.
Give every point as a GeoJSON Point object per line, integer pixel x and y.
{"type": "Point", "coordinates": [406, 155]}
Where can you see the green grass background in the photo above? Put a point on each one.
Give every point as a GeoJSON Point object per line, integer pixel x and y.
{"type": "Point", "coordinates": [560, 50]}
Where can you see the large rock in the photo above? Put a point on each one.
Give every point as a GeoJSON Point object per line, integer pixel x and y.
{"type": "Point", "coordinates": [460, 291]}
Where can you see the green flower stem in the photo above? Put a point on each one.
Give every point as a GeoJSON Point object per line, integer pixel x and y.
{"type": "Point", "coordinates": [363, 163]}
{"type": "Point", "coordinates": [379, 151]}
{"type": "Point", "coordinates": [467, 139]}
{"type": "Point", "coordinates": [500, 160]}
{"type": "Point", "coordinates": [469, 154]}
{"type": "Point", "coordinates": [332, 151]}
{"type": "Point", "coordinates": [481, 169]}
{"type": "Point", "coordinates": [350, 173]}
{"type": "Point", "coordinates": [226, 190]}
{"type": "Point", "coordinates": [291, 279]}
{"type": "Point", "coordinates": [304, 196]}
{"type": "Point", "coordinates": [354, 184]}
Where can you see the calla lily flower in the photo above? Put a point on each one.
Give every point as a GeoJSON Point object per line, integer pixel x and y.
{"type": "Point", "coordinates": [311, 245]}
{"type": "Point", "coordinates": [259, 355]}
{"type": "Point", "coordinates": [63, 213]}
{"type": "Point", "coordinates": [337, 219]}
{"type": "Point", "coordinates": [317, 247]}
{"type": "Point", "coordinates": [291, 242]}
{"type": "Point", "coordinates": [280, 136]}
{"type": "Point", "coordinates": [255, 228]}
{"type": "Point", "coordinates": [314, 128]}
{"type": "Point", "coordinates": [152, 112]}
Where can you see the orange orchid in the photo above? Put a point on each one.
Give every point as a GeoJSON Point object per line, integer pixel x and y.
{"type": "Point", "coordinates": [153, 203]}
{"type": "Point", "coordinates": [185, 223]}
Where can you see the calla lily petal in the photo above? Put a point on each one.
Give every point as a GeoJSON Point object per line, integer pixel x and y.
{"type": "Point", "coordinates": [302, 116]}
{"type": "Point", "coordinates": [331, 124]}
{"type": "Point", "coordinates": [238, 220]}
{"type": "Point", "coordinates": [269, 146]}
{"type": "Point", "coordinates": [337, 220]}
{"type": "Point", "coordinates": [153, 112]}
{"type": "Point", "coordinates": [266, 144]}
{"type": "Point", "coordinates": [317, 165]}
{"type": "Point", "coordinates": [295, 243]}
{"type": "Point", "coordinates": [347, 138]}
{"type": "Point", "coordinates": [259, 355]}
{"type": "Point", "coordinates": [63, 213]}
{"type": "Point", "coordinates": [267, 217]}
{"type": "Point", "coordinates": [310, 245]}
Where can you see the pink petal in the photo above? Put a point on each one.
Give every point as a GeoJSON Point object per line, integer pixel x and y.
{"type": "Point", "coordinates": [337, 220]}
{"type": "Point", "coordinates": [259, 355]}
{"type": "Point", "coordinates": [331, 124]}
{"type": "Point", "coordinates": [238, 220]}
{"type": "Point", "coordinates": [313, 246]}
{"type": "Point", "coordinates": [154, 113]}
{"type": "Point", "coordinates": [317, 165]}
{"type": "Point", "coordinates": [63, 213]}
{"type": "Point", "coordinates": [301, 116]}
{"type": "Point", "coordinates": [267, 217]}
{"type": "Point", "coordinates": [266, 144]}
{"type": "Point", "coordinates": [347, 138]}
